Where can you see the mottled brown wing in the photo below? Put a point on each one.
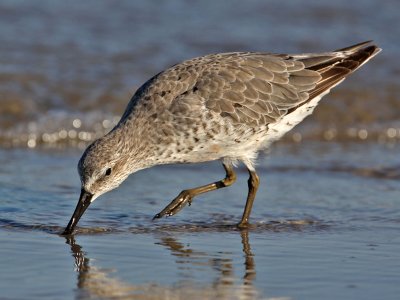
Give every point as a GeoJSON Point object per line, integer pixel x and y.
{"type": "Point", "coordinates": [335, 66]}
{"type": "Point", "coordinates": [257, 89]}
{"type": "Point", "coordinates": [249, 88]}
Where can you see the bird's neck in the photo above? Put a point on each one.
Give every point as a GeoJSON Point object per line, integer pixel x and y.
{"type": "Point", "coordinates": [133, 145]}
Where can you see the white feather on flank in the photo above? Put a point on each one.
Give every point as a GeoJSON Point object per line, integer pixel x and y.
{"type": "Point", "coordinates": [286, 123]}
{"type": "Point", "coordinates": [279, 128]}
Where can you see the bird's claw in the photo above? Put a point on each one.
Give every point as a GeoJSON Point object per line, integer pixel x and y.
{"type": "Point", "coordinates": [176, 205]}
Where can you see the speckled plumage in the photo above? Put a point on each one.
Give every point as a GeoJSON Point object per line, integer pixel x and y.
{"type": "Point", "coordinates": [223, 106]}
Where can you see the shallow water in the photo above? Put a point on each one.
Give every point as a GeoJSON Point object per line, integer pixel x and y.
{"type": "Point", "coordinates": [325, 226]}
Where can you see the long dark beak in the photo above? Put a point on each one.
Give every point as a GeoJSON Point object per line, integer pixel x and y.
{"type": "Point", "coordinates": [83, 204]}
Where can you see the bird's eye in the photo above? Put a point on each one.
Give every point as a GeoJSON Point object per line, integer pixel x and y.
{"type": "Point", "coordinates": [108, 171]}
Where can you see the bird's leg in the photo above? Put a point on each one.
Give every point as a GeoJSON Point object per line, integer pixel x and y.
{"type": "Point", "coordinates": [253, 184]}
{"type": "Point", "coordinates": [186, 196]}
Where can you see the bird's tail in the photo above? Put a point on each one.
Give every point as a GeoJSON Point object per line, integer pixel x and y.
{"type": "Point", "coordinates": [338, 64]}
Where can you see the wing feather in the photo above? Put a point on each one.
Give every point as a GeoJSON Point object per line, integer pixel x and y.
{"type": "Point", "coordinates": [278, 84]}
{"type": "Point", "coordinates": [253, 89]}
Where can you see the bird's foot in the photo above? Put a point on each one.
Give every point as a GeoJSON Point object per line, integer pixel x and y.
{"type": "Point", "coordinates": [243, 225]}
{"type": "Point", "coordinates": [176, 205]}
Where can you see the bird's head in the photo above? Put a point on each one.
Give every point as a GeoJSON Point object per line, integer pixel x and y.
{"type": "Point", "coordinates": [102, 168]}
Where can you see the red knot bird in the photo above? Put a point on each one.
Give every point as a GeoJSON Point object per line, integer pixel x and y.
{"type": "Point", "coordinates": [224, 106]}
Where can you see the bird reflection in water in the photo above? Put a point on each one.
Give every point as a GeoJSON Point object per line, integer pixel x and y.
{"type": "Point", "coordinates": [93, 281]}
{"type": "Point", "coordinates": [225, 283]}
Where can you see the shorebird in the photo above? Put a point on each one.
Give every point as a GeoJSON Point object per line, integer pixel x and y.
{"type": "Point", "coordinates": [224, 107]}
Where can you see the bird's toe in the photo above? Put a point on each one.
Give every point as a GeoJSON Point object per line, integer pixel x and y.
{"type": "Point", "coordinates": [176, 205]}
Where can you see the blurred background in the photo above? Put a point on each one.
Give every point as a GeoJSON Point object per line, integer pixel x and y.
{"type": "Point", "coordinates": [69, 68]}
{"type": "Point", "coordinates": [325, 224]}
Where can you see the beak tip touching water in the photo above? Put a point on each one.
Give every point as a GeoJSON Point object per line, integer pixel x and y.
{"type": "Point", "coordinates": [83, 203]}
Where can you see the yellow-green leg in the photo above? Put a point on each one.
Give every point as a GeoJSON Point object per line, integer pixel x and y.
{"type": "Point", "coordinates": [186, 196]}
{"type": "Point", "coordinates": [253, 184]}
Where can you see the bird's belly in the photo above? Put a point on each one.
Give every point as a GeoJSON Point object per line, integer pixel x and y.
{"type": "Point", "coordinates": [238, 148]}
